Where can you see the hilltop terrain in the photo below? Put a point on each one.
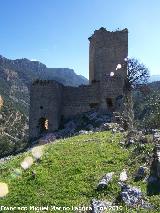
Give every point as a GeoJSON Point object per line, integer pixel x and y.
{"type": "Point", "coordinates": [88, 158]}
{"type": "Point", "coordinates": [69, 172]}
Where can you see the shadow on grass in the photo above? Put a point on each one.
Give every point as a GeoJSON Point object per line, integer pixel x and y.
{"type": "Point", "coordinates": [153, 188]}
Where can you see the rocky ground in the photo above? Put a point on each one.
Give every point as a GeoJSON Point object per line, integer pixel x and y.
{"type": "Point", "coordinates": [83, 124]}
{"type": "Point", "coordinates": [148, 171]}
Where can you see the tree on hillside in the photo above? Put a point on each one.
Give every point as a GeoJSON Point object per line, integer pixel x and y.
{"type": "Point", "coordinates": [138, 74]}
{"type": "Point", "coordinates": [137, 78]}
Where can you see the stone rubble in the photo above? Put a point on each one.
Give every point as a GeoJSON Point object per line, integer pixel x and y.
{"type": "Point", "coordinates": [157, 160]}
{"type": "Point", "coordinates": [84, 132]}
{"type": "Point", "coordinates": [85, 123]}
{"type": "Point", "coordinates": [105, 180]}
{"type": "Point", "coordinates": [3, 160]}
{"type": "Point", "coordinates": [156, 136]}
{"type": "Point", "coordinates": [141, 173]}
{"type": "Point", "coordinates": [50, 137]}
{"type": "Point", "coordinates": [99, 206]}
{"type": "Point", "coordinates": [133, 197]}
{"type": "Point", "coordinates": [123, 176]}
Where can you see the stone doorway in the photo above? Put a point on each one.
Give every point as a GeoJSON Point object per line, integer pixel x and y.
{"type": "Point", "coordinates": [109, 102]}
{"type": "Point", "coordinates": [43, 125]}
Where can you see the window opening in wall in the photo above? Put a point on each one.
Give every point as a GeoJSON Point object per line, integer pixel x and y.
{"type": "Point", "coordinates": [109, 102]}
{"type": "Point", "coordinates": [43, 125]}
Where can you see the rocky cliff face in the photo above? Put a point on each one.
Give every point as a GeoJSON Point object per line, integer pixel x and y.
{"type": "Point", "coordinates": [17, 75]}
{"type": "Point", "coordinates": [30, 70]}
{"type": "Point", "coordinates": [65, 76]}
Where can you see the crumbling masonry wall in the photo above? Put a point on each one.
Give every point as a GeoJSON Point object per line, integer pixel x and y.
{"type": "Point", "coordinates": [51, 102]}
{"type": "Point", "coordinates": [80, 99]}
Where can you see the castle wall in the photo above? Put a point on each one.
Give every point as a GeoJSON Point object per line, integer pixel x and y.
{"type": "Point", "coordinates": [50, 101]}
{"type": "Point", "coordinates": [111, 88]}
{"type": "Point", "coordinates": [45, 103]}
{"type": "Point", "coordinates": [79, 99]}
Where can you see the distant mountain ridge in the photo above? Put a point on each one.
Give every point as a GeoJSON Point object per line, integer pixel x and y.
{"type": "Point", "coordinates": [17, 75]}
{"type": "Point", "coordinates": [36, 69]}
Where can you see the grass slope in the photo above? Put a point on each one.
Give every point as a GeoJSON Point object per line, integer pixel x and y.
{"type": "Point", "coordinates": [68, 173]}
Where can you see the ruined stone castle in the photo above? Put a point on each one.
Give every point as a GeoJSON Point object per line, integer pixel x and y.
{"type": "Point", "coordinates": [51, 102]}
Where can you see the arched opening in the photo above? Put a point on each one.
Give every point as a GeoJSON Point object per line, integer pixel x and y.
{"type": "Point", "coordinates": [43, 125]}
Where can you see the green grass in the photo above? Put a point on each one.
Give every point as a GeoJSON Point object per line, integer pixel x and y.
{"type": "Point", "coordinates": [68, 173]}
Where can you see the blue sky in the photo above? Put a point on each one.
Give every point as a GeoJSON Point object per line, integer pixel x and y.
{"type": "Point", "coordinates": [56, 32]}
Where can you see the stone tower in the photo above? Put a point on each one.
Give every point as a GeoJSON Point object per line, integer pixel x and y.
{"type": "Point", "coordinates": [107, 54]}
{"type": "Point", "coordinates": [106, 50]}
{"type": "Point", "coordinates": [51, 102]}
